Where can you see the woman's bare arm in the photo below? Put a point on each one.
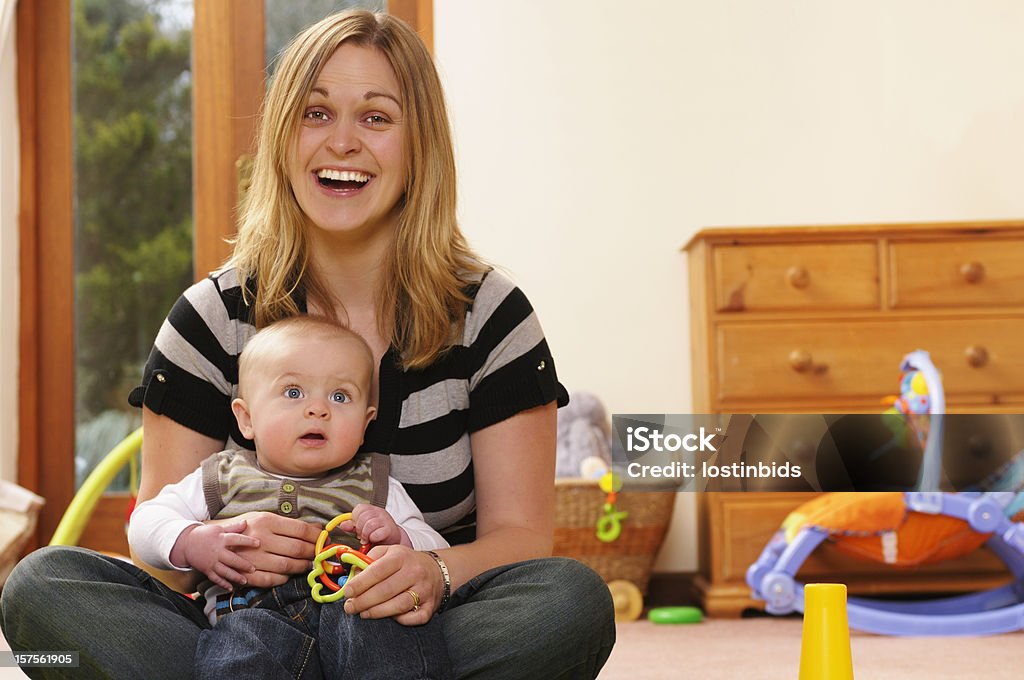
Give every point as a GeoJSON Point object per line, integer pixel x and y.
{"type": "Point", "coordinates": [514, 472]}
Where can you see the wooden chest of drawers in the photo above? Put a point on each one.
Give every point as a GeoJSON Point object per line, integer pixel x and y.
{"type": "Point", "coordinates": [816, 319]}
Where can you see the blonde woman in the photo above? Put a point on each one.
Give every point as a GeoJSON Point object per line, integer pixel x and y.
{"type": "Point", "coordinates": [351, 215]}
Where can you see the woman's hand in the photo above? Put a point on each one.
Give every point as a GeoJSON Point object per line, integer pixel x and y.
{"type": "Point", "coordinates": [382, 590]}
{"type": "Point", "coordinates": [286, 547]}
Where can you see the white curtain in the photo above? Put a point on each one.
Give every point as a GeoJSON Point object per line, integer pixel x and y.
{"type": "Point", "coordinates": [9, 283]}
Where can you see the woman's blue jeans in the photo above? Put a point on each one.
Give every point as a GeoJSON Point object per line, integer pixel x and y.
{"type": "Point", "coordinates": [549, 618]}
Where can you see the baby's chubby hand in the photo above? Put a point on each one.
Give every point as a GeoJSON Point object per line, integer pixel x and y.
{"type": "Point", "coordinates": [210, 548]}
{"type": "Point", "coordinates": [375, 526]}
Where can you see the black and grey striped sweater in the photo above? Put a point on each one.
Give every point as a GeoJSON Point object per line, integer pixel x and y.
{"type": "Point", "coordinates": [502, 366]}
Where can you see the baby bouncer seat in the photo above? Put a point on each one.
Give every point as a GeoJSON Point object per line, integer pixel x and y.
{"type": "Point", "coordinates": [909, 529]}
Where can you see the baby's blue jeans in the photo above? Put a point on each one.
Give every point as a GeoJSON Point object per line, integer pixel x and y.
{"type": "Point", "coordinates": [549, 618]}
{"type": "Point", "coordinates": [285, 634]}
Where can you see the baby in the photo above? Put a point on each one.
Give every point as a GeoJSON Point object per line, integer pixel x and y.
{"type": "Point", "coordinates": [304, 392]}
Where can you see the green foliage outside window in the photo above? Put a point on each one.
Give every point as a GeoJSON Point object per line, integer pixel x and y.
{"type": "Point", "coordinates": [133, 201]}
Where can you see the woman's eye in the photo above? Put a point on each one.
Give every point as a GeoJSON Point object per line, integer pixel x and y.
{"type": "Point", "coordinates": [293, 393]}
{"type": "Point", "coordinates": [315, 114]}
{"type": "Point", "coordinates": [339, 397]}
{"type": "Point", "coordinates": [376, 119]}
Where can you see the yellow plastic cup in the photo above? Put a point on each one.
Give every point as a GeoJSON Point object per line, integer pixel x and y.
{"type": "Point", "coordinates": [825, 649]}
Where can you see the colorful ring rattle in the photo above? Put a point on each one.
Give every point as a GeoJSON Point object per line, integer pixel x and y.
{"type": "Point", "coordinates": [323, 570]}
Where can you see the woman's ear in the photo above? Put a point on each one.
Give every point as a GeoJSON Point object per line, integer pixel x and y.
{"type": "Point", "coordinates": [244, 418]}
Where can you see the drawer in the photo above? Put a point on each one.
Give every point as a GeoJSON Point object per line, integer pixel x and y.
{"type": "Point", "coordinates": [976, 273]}
{"type": "Point", "coordinates": [759, 362]}
{"type": "Point", "coordinates": [744, 523]}
{"type": "Point", "coordinates": [796, 277]}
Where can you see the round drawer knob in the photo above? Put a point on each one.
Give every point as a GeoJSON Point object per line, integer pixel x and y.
{"type": "Point", "coordinates": [798, 277]}
{"type": "Point", "coordinates": [973, 272]}
{"type": "Point", "coordinates": [977, 356]}
{"type": "Point", "coordinates": [801, 361]}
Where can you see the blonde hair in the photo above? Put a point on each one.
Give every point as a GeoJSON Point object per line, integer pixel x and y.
{"type": "Point", "coordinates": [270, 339]}
{"type": "Point", "coordinates": [422, 302]}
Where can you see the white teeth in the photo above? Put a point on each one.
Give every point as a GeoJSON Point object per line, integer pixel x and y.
{"type": "Point", "coordinates": [343, 175]}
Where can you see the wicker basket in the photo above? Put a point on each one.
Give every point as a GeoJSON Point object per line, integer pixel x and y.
{"type": "Point", "coordinates": [579, 504]}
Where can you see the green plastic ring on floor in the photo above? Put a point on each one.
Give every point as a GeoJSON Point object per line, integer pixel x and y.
{"type": "Point", "coordinates": [675, 615]}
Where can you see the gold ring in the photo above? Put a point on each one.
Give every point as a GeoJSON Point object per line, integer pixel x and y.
{"type": "Point", "coordinates": [415, 599]}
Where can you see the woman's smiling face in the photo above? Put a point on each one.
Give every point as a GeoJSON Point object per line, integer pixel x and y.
{"type": "Point", "coordinates": [347, 163]}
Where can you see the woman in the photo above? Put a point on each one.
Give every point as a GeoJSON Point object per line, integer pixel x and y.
{"type": "Point", "coordinates": [351, 214]}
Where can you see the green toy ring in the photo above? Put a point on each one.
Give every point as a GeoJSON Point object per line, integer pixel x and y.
{"type": "Point", "coordinates": [675, 615]}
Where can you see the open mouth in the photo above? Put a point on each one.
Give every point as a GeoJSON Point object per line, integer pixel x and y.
{"type": "Point", "coordinates": [342, 181]}
{"type": "Point", "coordinates": [312, 437]}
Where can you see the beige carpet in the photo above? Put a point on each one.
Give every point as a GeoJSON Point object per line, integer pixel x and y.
{"type": "Point", "coordinates": [769, 649]}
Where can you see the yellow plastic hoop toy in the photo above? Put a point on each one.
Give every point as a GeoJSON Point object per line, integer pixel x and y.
{"type": "Point", "coordinates": [322, 572]}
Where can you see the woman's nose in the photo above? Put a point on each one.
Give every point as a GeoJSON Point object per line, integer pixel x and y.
{"type": "Point", "coordinates": [344, 139]}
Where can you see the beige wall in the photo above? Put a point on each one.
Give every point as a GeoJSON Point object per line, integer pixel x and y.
{"type": "Point", "coordinates": [8, 246]}
{"type": "Point", "coordinates": [594, 140]}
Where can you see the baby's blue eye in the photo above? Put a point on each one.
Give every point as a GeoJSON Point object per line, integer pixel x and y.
{"type": "Point", "coordinates": [293, 393]}
{"type": "Point", "coordinates": [339, 397]}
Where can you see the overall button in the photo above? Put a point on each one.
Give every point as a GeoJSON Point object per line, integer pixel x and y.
{"type": "Point", "coordinates": [286, 507]}
{"type": "Point", "coordinates": [288, 487]}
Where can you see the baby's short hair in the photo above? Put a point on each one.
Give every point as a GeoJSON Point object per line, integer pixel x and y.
{"type": "Point", "coordinates": [293, 328]}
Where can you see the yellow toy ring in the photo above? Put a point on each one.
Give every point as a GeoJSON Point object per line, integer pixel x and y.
{"type": "Point", "coordinates": [319, 577]}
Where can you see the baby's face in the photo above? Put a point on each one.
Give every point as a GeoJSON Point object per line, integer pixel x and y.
{"type": "Point", "coordinates": [306, 405]}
